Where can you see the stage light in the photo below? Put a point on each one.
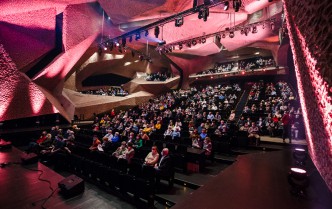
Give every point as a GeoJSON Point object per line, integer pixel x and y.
{"type": "Point", "coordinates": [299, 181]}
{"type": "Point", "coordinates": [188, 44]}
{"type": "Point", "coordinates": [263, 26]}
{"type": "Point", "coordinates": [180, 46]}
{"type": "Point", "coordinates": [156, 31]}
{"type": "Point", "coordinates": [300, 156]}
{"type": "Point", "coordinates": [254, 29]}
{"type": "Point", "coordinates": [179, 21]}
{"type": "Point", "coordinates": [194, 42]}
{"type": "Point", "coordinates": [138, 36]}
{"type": "Point", "coordinates": [203, 13]}
{"type": "Point", "coordinates": [223, 35]}
{"type": "Point", "coordinates": [203, 40]}
{"type": "Point", "coordinates": [226, 5]}
{"type": "Point", "coordinates": [146, 33]}
{"type": "Point", "coordinates": [231, 34]}
{"type": "Point", "coordinates": [236, 5]}
{"type": "Point", "coordinates": [163, 42]}
{"type": "Point", "coordinates": [117, 44]}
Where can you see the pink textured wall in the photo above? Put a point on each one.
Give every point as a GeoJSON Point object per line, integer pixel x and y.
{"type": "Point", "coordinates": [19, 97]}
{"type": "Point", "coordinates": [28, 36]}
{"type": "Point", "coordinates": [79, 22]}
{"type": "Point", "coordinates": [308, 23]}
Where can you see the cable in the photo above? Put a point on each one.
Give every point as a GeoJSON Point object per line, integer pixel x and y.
{"type": "Point", "coordinates": [44, 180]}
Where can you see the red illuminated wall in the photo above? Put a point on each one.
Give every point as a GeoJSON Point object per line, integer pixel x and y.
{"type": "Point", "coordinates": [18, 96]}
{"type": "Point", "coordinates": [308, 23]}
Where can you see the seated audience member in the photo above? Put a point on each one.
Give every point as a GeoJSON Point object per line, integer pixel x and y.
{"type": "Point", "coordinates": [232, 116]}
{"type": "Point", "coordinates": [203, 134]}
{"type": "Point", "coordinates": [95, 143]}
{"type": "Point", "coordinates": [46, 143]}
{"type": "Point", "coordinates": [116, 137]}
{"type": "Point", "coordinates": [130, 152]}
{"type": "Point", "coordinates": [176, 134]}
{"type": "Point", "coordinates": [138, 143]}
{"type": "Point", "coordinates": [158, 126]}
{"type": "Point", "coordinates": [254, 133]}
{"type": "Point", "coordinates": [164, 167]}
{"type": "Point", "coordinates": [195, 143]}
{"type": "Point", "coordinates": [207, 146]}
{"type": "Point", "coordinates": [108, 136]}
{"type": "Point", "coordinates": [121, 151]}
{"type": "Point", "coordinates": [33, 146]}
{"type": "Point", "coordinates": [245, 127]}
{"type": "Point", "coordinates": [168, 132]}
{"type": "Point", "coordinates": [153, 157]}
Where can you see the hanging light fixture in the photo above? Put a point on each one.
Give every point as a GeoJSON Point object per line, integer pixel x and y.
{"type": "Point", "coordinates": [226, 5]}
{"type": "Point", "coordinates": [156, 31]}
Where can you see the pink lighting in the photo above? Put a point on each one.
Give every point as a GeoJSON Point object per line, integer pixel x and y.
{"type": "Point", "coordinates": [313, 90]}
{"type": "Point", "coordinates": [37, 99]}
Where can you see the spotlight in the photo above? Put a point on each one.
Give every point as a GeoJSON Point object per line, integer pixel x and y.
{"type": "Point", "coordinates": [242, 31]}
{"type": "Point", "coordinates": [263, 26]}
{"type": "Point", "coordinates": [180, 46]}
{"type": "Point", "coordinates": [203, 40]}
{"type": "Point", "coordinates": [130, 39]}
{"type": "Point", "coordinates": [138, 36]}
{"type": "Point", "coordinates": [188, 44]}
{"type": "Point", "coordinates": [299, 181]}
{"type": "Point", "coordinates": [254, 29]}
{"type": "Point", "coordinates": [124, 41]}
{"type": "Point", "coordinates": [236, 5]}
{"type": "Point", "coordinates": [156, 31]}
{"type": "Point", "coordinates": [140, 57]}
{"type": "Point", "coordinates": [179, 21]}
{"type": "Point", "coordinates": [226, 5]}
{"type": "Point", "coordinates": [163, 42]}
{"type": "Point", "coordinates": [146, 33]}
{"type": "Point", "coordinates": [231, 34]}
{"type": "Point", "coordinates": [203, 13]}
{"type": "Point", "coordinates": [300, 156]}
{"type": "Point", "coordinates": [223, 35]}
{"type": "Point", "coordinates": [117, 43]}
{"type": "Point", "coordinates": [194, 42]}
{"type": "Point", "coordinates": [105, 48]}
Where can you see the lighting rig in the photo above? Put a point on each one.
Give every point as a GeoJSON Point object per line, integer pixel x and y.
{"type": "Point", "coordinates": [203, 13]}
{"type": "Point", "coordinates": [228, 32]}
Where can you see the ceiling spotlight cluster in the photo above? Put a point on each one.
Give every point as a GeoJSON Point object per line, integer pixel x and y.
{"type": "Point", "coordinates": [203, 13]}
{"type": "Point", "coordinates": [228, 32]}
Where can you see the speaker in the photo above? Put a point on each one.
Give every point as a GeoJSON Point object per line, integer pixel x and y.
{"type": "Point", "coordinates": [4, 144]}
{"type": "Point", "coordinates": [29, 158]}
{"type": "Point", "coordinates": [71, 186]}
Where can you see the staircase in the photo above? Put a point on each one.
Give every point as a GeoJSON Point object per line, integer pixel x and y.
{"type": "Point", "coordinates": [241, 104]}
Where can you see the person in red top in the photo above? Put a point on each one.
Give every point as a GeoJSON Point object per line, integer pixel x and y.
{"type": "Point", "coordinates": [285, 126]}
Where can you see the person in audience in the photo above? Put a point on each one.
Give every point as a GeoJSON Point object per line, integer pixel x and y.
{"type": "Point", "coordinates": [245, 127]}
{"type": "Point", "coordinates": [138, 143]}
{"type": "Point", "coordinates": [121, 151]}
{"type": "Point", "coordinates": [203, 134]}
{"type": "Point", "coordinates": [195, 143]}
{"type": "Point", "coordinates": [168, 132]}
{"type": "Point", "coordinates": [176, 134]}
{"type": "Point", "coordinates": [164, 166]}
{"type": "Point", "coordinates": [95, 143]}
{"type": "Point", "coordinates": [232, 116]}
{"type": "Point", "coordinates": [253, 132]}
{"type": "Point", "coordinates": [207, 146]}
{"type": "Point", "coordinates": [116, 137]}
{"type": "Point", "coordinates": [32, 147]}
{"type": "Point", "coordinates": [152, 158]}
{"type": "Point", "coordinates": [286, 121]}
{"type": "Point", "coordinates": [130, 152]}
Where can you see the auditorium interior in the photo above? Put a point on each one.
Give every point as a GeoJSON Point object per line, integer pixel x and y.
{"type": "Point", "coordinates": [182, 104]}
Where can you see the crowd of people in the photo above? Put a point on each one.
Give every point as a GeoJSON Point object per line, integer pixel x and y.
{"type": "Point", "coordinates": [157, 76]}
{"type": "Point", "coordinates": [247, 64]}
{"type": "Point", "coordinates": [272, 108]}
{"type": "Point", "coordinates": [111, 91]}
